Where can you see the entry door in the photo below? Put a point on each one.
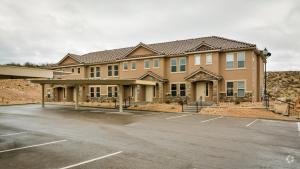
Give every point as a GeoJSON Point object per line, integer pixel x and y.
{"type": "Point", "coordinates": [149, 93]}
{"type": "Point", "coordinates": [200, 90]}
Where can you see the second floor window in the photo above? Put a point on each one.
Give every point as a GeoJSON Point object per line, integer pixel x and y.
{"type": "Point", "coordinates": [116, 70]}
{"type": "Point", "coordinates": [229, 61]}
{"type": "Point", "coordinates": [133, 65]}
{"type": "Point", "coordinates": [229, 86]}
{"type": "Point", "coordinates": [109, 70]}
{"type": "Point", "coordinates": [182, 64]}
{"type": "Point", "coordinates": [208, 58]}
{"type": "Point", "coordinates": [125, 66]}
{"type": "Point", "coordinates": [241, 59]}
{"type": "Point", "coordinates": [156, 63]}
{"type": "Point", "coordinates": [147, 64]}
{"type": "Point", "coordinates": [97, 71]}
{"type": "Point", "coordinates": [173, 65]}
{"type": "Point", "coordinates": [92, 72]}
{"type": "Point", "coordinates": [173, 90]}
{"type": "Point", "coordinates": [197, 59]}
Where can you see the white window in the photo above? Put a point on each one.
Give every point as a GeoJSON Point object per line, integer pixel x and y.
{"type": "Point", "coordinates": [72, 70]}
{"type": "Point", "coordinates": [241, 59]}
{"type": "Point", "coordinates": [97, 91]}
{"type": "Point", "coordinates": [208, 58]}
{"type": "Point", "coordinates": [116, 91]}
{"type": "Point", "coordinates": [182, 64]}
{"type": "Point", "coordinates": [92, 72]}
{"type": "Point", "coordinates": [147, 64]}
{"type": "Point", "coordinates": [229, 86]}
{"type": "Point", "coordinates": [116, 70]}
{"type": "Point", "coordinates": [97, 71]}
{"type": "Point", "coordinates": [78, 70]}
{"type": "Point", "coordinates": [197, 59]}
{"type": "Point", "coordinates": [109, 91]}
{"type": "Point", "coordinates": [125, 66]}
{"type": "Point", "coordinates": [173, 90]}
{"type": "Point", "coordinates": [229, 60]}
{"type": "Point", "coordinates": [92, 92]}
{"type": "Point", "coordinates": [240, 88]}
{"type": "Point", "coordinates": [182, 89]}
{"type": "Point", "coordinates": [156, 63]}
{"type": "Point", "coordinates": [173, 65]}
{"type": "Point", "coordinates": [133, 65]}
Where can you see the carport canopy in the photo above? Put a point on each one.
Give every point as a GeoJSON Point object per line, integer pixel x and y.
{"type": "Point", "coordinates": [17, 72]}
{"type": "Point", "coordinates": [78, 82]}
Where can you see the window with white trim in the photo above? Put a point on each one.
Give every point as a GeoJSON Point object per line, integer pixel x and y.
{"type": "Point", "coordinates": [92, 72]}
{"type": "Point", "coordinates": [229, 60]}
{"type": "Point", "coordinates": [133, 65]}
{"type": "Point", "coordinates": [125, 66]}
{"type": "Point", "coordinates": [92, 92]}
{"type": "Point", "coordinates": [173, 90]}
{"type": "Point", "coordinates": [208, 58]}
{"type": "Point", "coordinates": [147, 64]}
{"type": "Point", "coordinates": [182, 64]}
{"type": "Point", "coordinates": [78, 70]}
{"type": "Point", "coordinates": [72, 70]}
{"type": "Point", "coordinates": [240, 89]}
{"type": "Point", "coordinates": [109, 70]}
{"type": "Point", "coordinates": [182, 89]}
{"type": "Point", "coordinates": [116, 70]}
{"type": "Point", "coordinates": [98, 92]}
{"type": "Point", "coordinates": [116, 91]}
{"type": "Point", "coordinates": [97, 71]}
{"type": "Point", "coordinates": [109, 91]}
{"type": "Point", "coordinates": [241, 59]}
{"type": "Point", "coordinates": [173, 63]}
{"type": "Point", "coordinates": [197, 59]}
{"type": "Point", "coordinates": [156, 63]}
{"type": "Point", "coordinates": [229, 88]}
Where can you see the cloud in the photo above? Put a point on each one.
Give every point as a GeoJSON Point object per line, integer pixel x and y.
{"type": "Point", "coordinates": [45, 31]}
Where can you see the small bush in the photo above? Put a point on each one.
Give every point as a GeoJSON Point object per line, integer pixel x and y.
{"type": "Point", "coordinates": [167, 102]}
{"type": "Point", "coordinates": [172, 107]}
{"type": "Point", "coordinates": [237, 101]}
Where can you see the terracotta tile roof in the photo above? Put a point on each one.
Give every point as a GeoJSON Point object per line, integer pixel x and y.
{"type": "Point", "coordinates": [167, 48]}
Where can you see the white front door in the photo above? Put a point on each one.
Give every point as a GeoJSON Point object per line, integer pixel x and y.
{"type": "Point", "coordinates": [149, 93]}
{"type": "Point", "coordinates": [200, 90]}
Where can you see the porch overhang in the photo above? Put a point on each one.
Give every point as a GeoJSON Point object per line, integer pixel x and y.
{"type": "Point", "coordinates": [202, 74]}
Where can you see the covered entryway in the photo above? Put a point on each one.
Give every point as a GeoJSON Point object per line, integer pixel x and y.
{"type": "Point", "coordinates": [59, 94]}
{"type": "Point", "coordinates": [81, 82]}
{"type": "Point", "coordinates": [204, 85]}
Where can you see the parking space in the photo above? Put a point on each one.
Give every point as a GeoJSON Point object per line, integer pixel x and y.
{"type": "Point", "coordinates": [60, 137]}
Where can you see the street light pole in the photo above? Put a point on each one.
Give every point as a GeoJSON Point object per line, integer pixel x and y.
{"type": "Point", "coordinates": [266, 54]}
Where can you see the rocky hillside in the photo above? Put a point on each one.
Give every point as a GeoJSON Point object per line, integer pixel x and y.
{"type": "Point", "coordinates": [19, 91]}
{"type": "Point", "coordinates": [284, 84]}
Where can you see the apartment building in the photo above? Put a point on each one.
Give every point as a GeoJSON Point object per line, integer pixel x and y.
{"type": "Point", "coordinates": [210, 69]}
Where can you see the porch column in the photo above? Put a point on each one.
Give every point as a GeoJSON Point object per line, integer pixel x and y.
{"type": "Point", "coordinates": [43, 95]}
{"type": "Point", "coordinates": [121, 96]}
{"type": "Point", "coordinates": [76, 96]}
{"type": "Point", "coordinates": [66, 94]}
{"type": "Point", "coordinates": [215, 95]}
{"type": "Point", "coordinates": [161, 91]}
{"type": "Point", "coordinates": [135, 93]}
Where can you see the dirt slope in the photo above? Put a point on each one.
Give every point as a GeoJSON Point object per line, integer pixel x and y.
{"type": "Point", "coordinates": [19, 91]}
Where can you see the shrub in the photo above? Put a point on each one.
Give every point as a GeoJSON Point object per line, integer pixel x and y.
{"type": "Point", "coordinates": [167, 102]}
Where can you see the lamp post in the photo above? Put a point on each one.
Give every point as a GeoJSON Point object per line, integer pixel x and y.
{"type": "Point", "coordinates": [266, 54]}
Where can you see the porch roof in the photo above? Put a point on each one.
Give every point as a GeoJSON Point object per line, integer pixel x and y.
{"type": "Point", "coordinates": [206, 75]}
{"type": "Point", "coordinates": [93, 81]}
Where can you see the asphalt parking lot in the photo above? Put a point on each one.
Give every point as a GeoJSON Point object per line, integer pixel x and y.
{"type": "Point", "coordinates": [60, 137]}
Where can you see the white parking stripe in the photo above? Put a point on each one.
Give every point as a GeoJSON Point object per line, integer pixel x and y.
{"type": "Point", "coordinates": [211, 119]}
{"type": "Point", "coordinates": [248, 125]}
{"type": "Point", "coordinates": [11, 134]}
{"type": "Point", "coordinates": [37, 145]}
{"type": "Point", "coordinates": [299, 126]}
{"type": "Point", "coordinates": [174, 117]}
{"type": "Point", "coordinates": [88, 161]}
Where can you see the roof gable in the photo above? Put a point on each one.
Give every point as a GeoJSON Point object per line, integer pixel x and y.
{"type": "Point", "coordinates": [202, 74]}
{"type": "Point", "coordinates": [202, 47]}
{"type": "Point", "coordinates": [152, 76]}
{"type": "Point", "coordinates": [69, 59]}
{"type": "Point", "coordinates": [142, 50]}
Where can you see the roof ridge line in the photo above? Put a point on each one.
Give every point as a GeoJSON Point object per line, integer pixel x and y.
{"type": "Point", "coordinates": [233, 40]}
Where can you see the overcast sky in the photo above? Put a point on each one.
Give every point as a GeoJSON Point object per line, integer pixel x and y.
{"type": "Point", "coordinates": [43, 31]}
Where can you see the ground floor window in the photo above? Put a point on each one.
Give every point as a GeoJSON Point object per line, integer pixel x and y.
{"type": "Point", "coordinates": [240, 88]}
{"type": "Point", "coordinates": [182, 89]}
{"type": "Point", "coordinates": [173, 90]}
{"type": "Point", "coordinates": [97, 91]}
{"type": "Point", "coordinates": [109, 91]}
{"type": "Point", "coordinates": [116, 91]}
{"type": "Point", "coordinates": [48, 94]}
{"type": "Point", "coordinates": [229, 88]}
{"type": "Point", "coordinates": [92, 92]}
{"type": "Point", "coordinates": [206, 88]}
